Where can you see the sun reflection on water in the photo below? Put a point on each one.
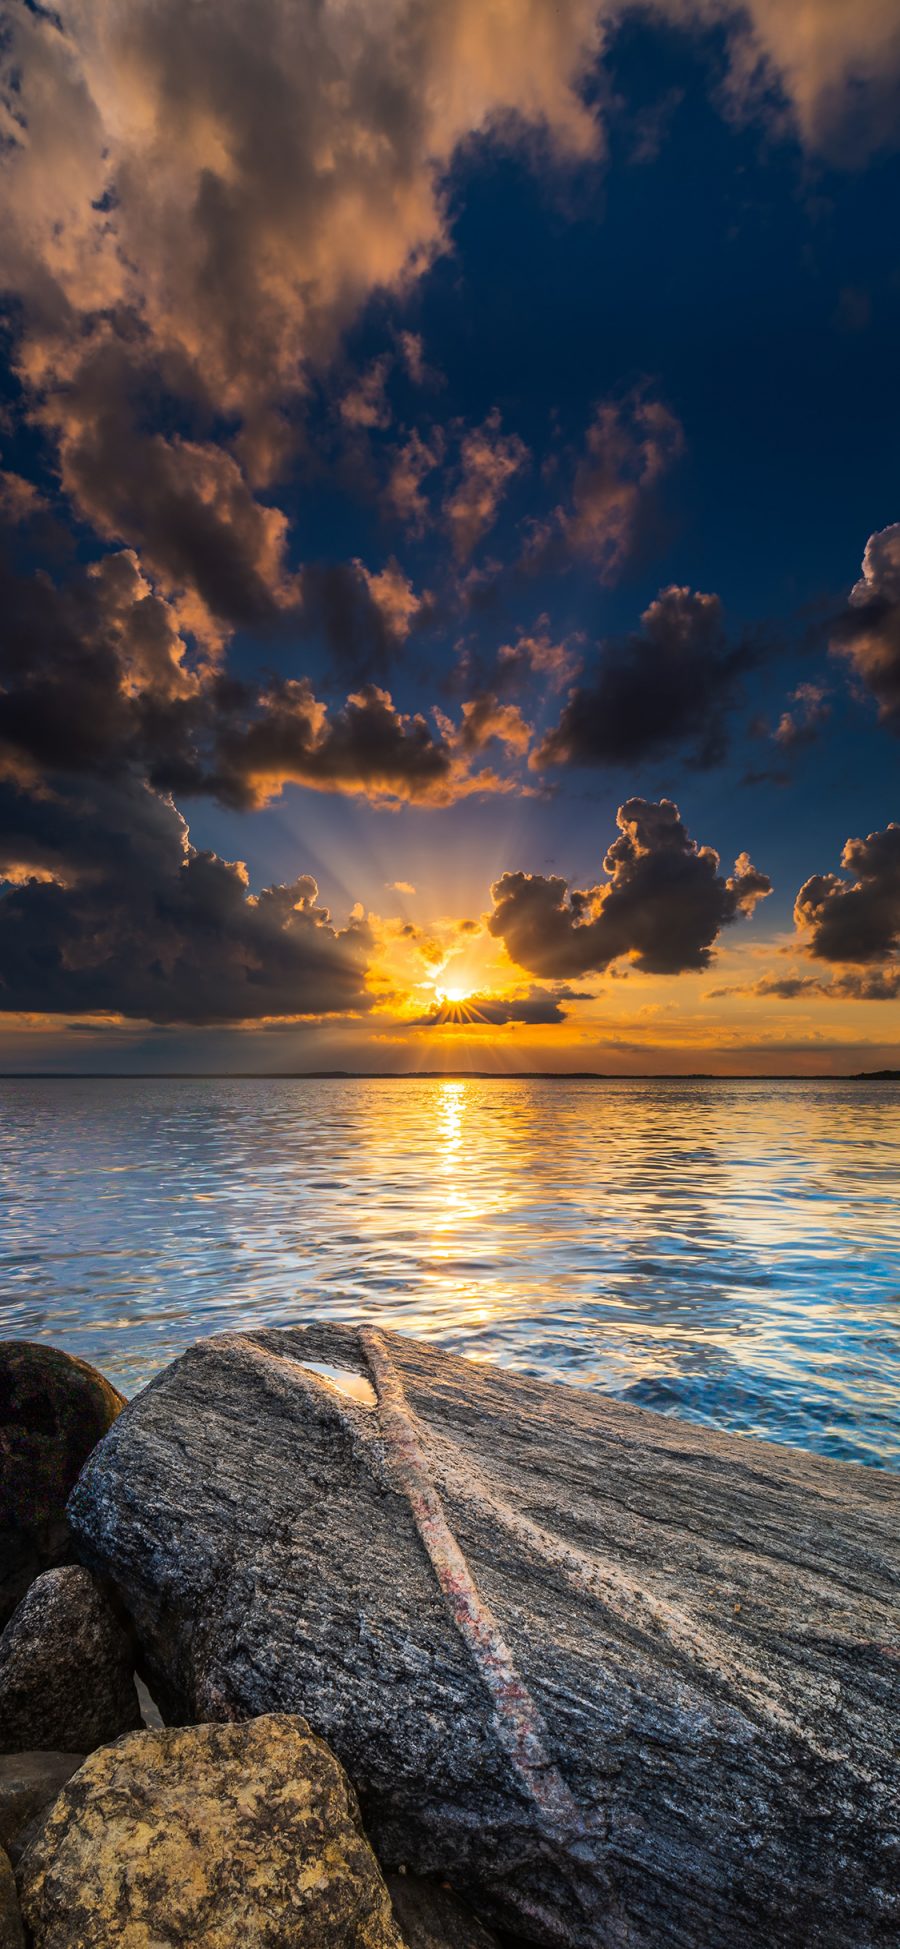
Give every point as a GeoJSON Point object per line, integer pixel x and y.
{"type": "Point", "coordinates": [725, 1251]}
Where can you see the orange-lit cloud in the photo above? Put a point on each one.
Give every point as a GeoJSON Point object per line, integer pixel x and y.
{"type": "Point", "coordinates": [488, 461]}
{"type": "Point", "coordinates": [868, 633]}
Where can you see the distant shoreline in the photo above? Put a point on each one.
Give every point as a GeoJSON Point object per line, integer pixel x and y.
{"type": "Point", "coordinates": [435, 1076]}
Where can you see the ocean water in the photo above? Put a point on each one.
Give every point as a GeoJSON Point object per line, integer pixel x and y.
{"type": "Point", "coordinates": [725, 1251]}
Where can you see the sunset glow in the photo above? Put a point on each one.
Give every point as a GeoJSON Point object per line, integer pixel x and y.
{"type": "Point", "coordinates": [451, 570]}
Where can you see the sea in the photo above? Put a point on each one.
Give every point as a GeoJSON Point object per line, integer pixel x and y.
{"type": "Point", "coordinates": [724, 1251]}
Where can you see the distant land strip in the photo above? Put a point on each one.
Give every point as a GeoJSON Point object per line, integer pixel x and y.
{"type": "Point", "coordinates": [437, 1076]}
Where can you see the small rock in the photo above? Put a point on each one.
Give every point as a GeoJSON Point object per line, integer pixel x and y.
{"type": "Point", "coordinates": [12, 1934]}
{"type": "Point", "coordinates": [29, 1784]}
{"type": "Point", "coordinates": [66, 1668]}
{"type": "Point", "coordinates": [53, 1410]}
{"type": "Point", "coordinates": [431, 1917]}
{"type": "Point", "coordinates": [225, 1835]}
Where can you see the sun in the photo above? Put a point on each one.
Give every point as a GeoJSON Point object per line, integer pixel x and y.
{"type": "Point", "coordinates": [451, 992]}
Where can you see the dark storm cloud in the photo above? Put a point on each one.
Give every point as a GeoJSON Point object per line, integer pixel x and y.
{"type": "Point", "coordinates": [663, 903]}
{"type": "Point", "coordinates": [855, 919]}
{"type": "Point", "coordinates": [666, 687]}
{"type": "Point", "coordinates": [868, 632]}
{"type": "Point", "coordinates": [368, 746]}
{"type": "Point", "coordinates": [96, 677]}
{"type": "Point", "coordinates": [540, 1008]}
{"type": "Point", "coordinates": [109, 909]}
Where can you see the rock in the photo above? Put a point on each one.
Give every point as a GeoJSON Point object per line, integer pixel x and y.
{"type": "Point", "coordinates": [66, 1668]}
{"type": "Point", "coordinates": [621, 1678]}
{"type": "Point", "coordinates": [429, 1916]}
{"type": "Point", "coordinates": [29, 1784]}
{"type": "Point", "coordinates": [53, 1411]}
{"type": "Point", "coordinates": [225, 1836]}
{"type": "Point", "coordinates": [12, 1935]}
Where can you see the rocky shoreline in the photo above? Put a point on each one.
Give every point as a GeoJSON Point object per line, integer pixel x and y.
{"type": "Point", "coordinates": [446, 1659]}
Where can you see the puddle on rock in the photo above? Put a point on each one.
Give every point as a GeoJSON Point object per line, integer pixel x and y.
{"type": "Point", "coordinates": [346, 1382]}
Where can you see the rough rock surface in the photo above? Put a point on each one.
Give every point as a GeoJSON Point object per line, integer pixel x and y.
{"type": "Point", "coordinates": [66, 1668]}
{"type": "Point", "coordinates": [12, 1935]}
{"type": "Point", "coordinates": [29, 1784]}
{"type": "Point", "coordinates": [431, 1917]}
{"type": "Point", "coordinates": [53, 1411]}
{"type": "Point", "coordinates": [620, 1679]}
{"type": "Point", "coordinates": [224, 1836]}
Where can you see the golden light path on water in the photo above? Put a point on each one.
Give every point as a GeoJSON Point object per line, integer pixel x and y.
{"type": "Point", "coordinates": [724, 1250]}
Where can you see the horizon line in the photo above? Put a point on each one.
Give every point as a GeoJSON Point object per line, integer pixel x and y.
{"type": "Point", "coordinates": [446, 1075]}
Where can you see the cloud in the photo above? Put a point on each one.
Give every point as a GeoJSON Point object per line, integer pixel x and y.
{"type": "Point", "coordinates": [365, 403]}
{"type": "Point", "coordinates": [662, 904]}
{"type": "Point", "coordinates": [786, 987]}
{"type": "Point", "coordinates": [418, 370]}
{"type": "Point", "coordinates": [412, 463]}
{"type": "Point", "coordinates": [629, 445]}
{"type": "Point", "coordinates": [394, 597]}
{"type": "Point", "coordinates": [185, 504]}
{"type": "Point", "coordinates": [94, 676]}
{"type": "Point", "coordinates": [19, 498]}
{"type": "Point", "coordinates": [539, 1008]}
{"type": "Point", "coordinates": [868, 632]}
{"type": "Point", "coordinates": [836, 66]}
{"type": "Point", "coordinates": [876, 985]}
{"type": "Point", "coordinates": [199, 202]}
{"type": "Point", "coordinates": [488, 461]}
{"type": "Point", "coordinates": [97, 677]}
{"type": "Point", "coordinates": [485, 717]}
{"type": "Point", "coordinates": [206, 197]}
{"type": "Point", "coordinates": [666, 687]}
{"type": "Point", "coordinates": [368, 746]}
{"type": "Point", "coordinates": [109, 909]}
{"type": "Point", "coordinates": [363, 617]}
{"type": "Point", "coordinates": [400, 886]}
{"type": "Point", "coordinates": [536, 654]}
{"type": "Point", "coordinates": [858, 919]}
{"type": "Point", "coordinates": [802, 725]}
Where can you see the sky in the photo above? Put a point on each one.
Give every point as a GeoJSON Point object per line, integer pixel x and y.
{"type": "Point", "coordinates": [450, 536]}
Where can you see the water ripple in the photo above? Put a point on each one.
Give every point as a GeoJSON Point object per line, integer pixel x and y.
{"type": "Point", "coordinates": [729, 1252]}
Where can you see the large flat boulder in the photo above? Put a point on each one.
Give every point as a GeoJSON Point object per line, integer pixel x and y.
{"type": "Point", "coordinates": [66, 1668]}
{"type": "Point", "coordinates": [619, 1679]}
{"type": "Point", "coordinates": [53, 1411]}
{"type": "Point", "coordinates": [221, 1835]}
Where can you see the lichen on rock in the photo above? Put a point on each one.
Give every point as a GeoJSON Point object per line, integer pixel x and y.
{"type": "Point", "coordinates": [220, 1835]}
